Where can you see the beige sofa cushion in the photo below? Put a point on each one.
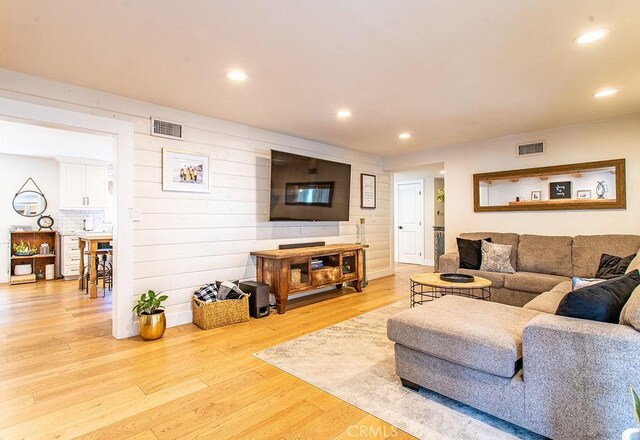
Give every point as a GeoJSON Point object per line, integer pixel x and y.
{"type": "Point", "coordinates": [533, 282]}
{"type": "Point", "coordinates": [500, 238]}
{"type": "Point", "coordinates": [587, 250]}
{"type": "Point", "coordinates": [496, 278]}
{"type": "Point", "coordinates": [482, 335]}
{"type": "Point", "coordinates": [630, 314]}
{"type": "Point", "coordinates": [635, 263]}
{"type": "Point", "coordinates": [545, 254]}
{"type": "Point", "coordinates": [548, 302]}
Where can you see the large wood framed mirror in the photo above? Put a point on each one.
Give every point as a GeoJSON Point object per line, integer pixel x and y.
{"type": "Point", "coordinates": [589, 185]}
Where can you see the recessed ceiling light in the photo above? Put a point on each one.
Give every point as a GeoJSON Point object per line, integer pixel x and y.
{"type": "Point", "coordinates": [343, 114]}
{"type": "Point", "coordinates": [605, 92]}
{"type": "Point", "coordinates": [404, 135]}
{"type": "Point", "coordinates": [237, 75]}
{"type": "Point", "coordinates": [591, 36]}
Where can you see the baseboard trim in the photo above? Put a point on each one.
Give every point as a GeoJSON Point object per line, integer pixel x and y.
{"type": "Point", "coordinates": [381, 273]}
{"type": "Point", "coordinates": [186, 317]}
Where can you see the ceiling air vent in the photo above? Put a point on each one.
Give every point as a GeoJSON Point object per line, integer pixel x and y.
{"type": "Point", "coordinates": [166, 129]}
{"type": "Point", "coordinates": [530, 149]}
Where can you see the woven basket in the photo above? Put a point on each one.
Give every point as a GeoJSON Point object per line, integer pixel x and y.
{"type": "Point", "coordinates": [207, 315]}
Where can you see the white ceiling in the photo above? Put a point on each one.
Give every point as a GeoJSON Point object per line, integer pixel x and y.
{"type": "Point", "coordinates": [431, 170]}
{"type": "Point", "coordinates": [446, 71]}
{"type": "Point", "coordinates": [32, 140]}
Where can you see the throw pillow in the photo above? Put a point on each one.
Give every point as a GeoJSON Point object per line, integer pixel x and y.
{"type": "Point", "coordinates": [635, 263]}
{"type": "Point", "coordinates": [612, 266]}
{"type": "Point", "coordinates": [208, 293]}
{"type": "Point", "coordinates": [579, 283]}
{"type": "Point", "coordinates": [630, 314]}
{"type": "Point", "coordinates": [600, 302]}
{"type": "Point", "coordinates": [496, 257]}
{"type": "Point", "coordinates": [470, 253]}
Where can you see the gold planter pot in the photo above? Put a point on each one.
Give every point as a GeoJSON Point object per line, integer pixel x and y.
{"type": "Point", "coordinates": [152, 326]}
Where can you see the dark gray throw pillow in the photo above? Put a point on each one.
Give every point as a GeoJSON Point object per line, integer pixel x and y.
{"type": "Point", "coordinates": [470, 253]}
{"type": "Point", "coordinates": [612, 266]}
{"type": "Point", "coordinates": [600, 302]}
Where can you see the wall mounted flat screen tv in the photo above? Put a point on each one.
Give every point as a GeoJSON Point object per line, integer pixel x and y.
{"type": "Point", "coordinates": [308, 189]}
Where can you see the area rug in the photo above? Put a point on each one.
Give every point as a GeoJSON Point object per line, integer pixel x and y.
{"type": "Point", "coordinates": [353, 360]}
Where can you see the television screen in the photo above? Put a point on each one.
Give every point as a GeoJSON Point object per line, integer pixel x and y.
{"type": "Point", "coordinates": [308, 189]}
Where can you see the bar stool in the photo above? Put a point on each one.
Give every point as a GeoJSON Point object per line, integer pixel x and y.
{"type": "Point", "coordinates": [103, 270]}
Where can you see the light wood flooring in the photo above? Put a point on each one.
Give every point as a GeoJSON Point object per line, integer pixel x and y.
{"type": "Point", "coordinates": [62, 375]}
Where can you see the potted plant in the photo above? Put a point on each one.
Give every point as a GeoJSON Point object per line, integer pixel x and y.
{"type": "Point", "coordinates": [151, 312]}
{"type": "Point", "coordinates": [633, 433]}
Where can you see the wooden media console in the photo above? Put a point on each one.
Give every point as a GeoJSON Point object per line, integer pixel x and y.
{"type": "Point", "coordinates": [290, 271]}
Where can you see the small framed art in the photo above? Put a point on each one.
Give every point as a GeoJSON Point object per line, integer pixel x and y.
{"type": "Point", "coordinates": [367, 191]}
{"type": "Point", "coordinates": [584, 194]}
{"type": "Point", "coordinates": [560, 190]}
{"type": "Point", "coordinates": [536, 196]}
{"type": "Point", "coordinates": [184, 171]}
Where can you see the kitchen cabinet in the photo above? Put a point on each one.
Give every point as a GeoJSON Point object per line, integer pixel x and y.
{"type": "Point", "coordinates": [83, 186]}
{"type": "Point", "coordinates": [69, 257]}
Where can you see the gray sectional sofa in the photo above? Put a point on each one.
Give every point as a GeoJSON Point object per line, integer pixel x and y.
{"type": "Point", "coordinates": [542, 262]}
{"type": "Point", "coordinates": [560, 377]}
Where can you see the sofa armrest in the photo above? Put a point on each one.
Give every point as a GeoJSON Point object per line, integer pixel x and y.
{"type": "Point", "coordinates": [449, 262]}
{"type": "Point", "coordinates": [577, 375]}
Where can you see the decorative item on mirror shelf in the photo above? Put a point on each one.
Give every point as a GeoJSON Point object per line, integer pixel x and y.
{"type": "Point", "coordinates": [583, 194]}
{"type": "Point", "coordinates": [536, 195]}
{"type": "Point", "coordinates": [602, 189]}
{"type": "Point", "coordinates": [153, 322]}
{"type": "Point", "coordinates": [560, 190]}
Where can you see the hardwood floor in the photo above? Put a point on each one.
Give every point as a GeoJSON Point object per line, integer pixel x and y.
{"type": "Point", "coordinates": [62, 375]}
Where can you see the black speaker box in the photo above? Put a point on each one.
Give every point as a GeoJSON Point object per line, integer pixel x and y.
{"type": "Point", "coordinates": [259, 298]}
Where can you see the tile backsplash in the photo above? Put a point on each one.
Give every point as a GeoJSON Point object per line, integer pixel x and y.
{"type": "Point", "coordinates": [69, 221]}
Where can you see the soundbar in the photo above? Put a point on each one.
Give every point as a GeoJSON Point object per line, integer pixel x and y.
{"type": "Point", "coordinates": [301, 245]}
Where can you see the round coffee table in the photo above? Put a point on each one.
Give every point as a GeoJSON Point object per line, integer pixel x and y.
{"type": "Point", "coordinates": [429, 286]}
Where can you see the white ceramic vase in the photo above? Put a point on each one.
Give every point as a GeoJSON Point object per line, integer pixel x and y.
{"type": "Point", "coordinates": [631, 434]}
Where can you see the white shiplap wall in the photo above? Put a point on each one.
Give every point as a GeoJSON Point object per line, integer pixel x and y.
{"type": "Point", "coordinates": [184, 240]}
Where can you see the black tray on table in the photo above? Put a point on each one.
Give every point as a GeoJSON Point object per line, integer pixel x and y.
{"type": "Point", "coordinates": [457, 278]}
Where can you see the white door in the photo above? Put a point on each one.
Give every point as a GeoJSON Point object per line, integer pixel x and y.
{"type": "Point", "coordinates": [72, 186]}
{"type": "Point", "coordinates": [410, 209]}
{"type": "Point", "coordinates": [96, 187]}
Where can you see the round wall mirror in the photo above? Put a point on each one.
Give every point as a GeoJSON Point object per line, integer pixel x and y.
{"type": "Point", "coordinates": [29, 203]}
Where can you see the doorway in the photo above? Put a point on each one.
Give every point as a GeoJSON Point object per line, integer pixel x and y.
{"type": "Point", "coordinates": [419, 214]}
{"type": "Point", "coordinates": [410, 221]}
{"type": "Point", "coordinates": [120, 134]}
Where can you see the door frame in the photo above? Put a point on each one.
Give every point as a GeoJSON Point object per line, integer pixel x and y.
{"type": "Point", "coordinates": [123, 322]}
{"type": "Point", "coordinates": [396, 185]}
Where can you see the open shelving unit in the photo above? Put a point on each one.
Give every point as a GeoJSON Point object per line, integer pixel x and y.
{"type": "Point", "coordinates": [38, 262]}
{"type": "Point", "coordinates": [291, 271]}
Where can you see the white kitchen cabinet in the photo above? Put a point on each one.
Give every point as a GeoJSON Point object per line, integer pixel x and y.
{"type": "Point", "coordinates": [69, 256]}
{"type": "Point", "coordinates": [95, 190]}
{"type": "Point", "coordinates": [83, 186]}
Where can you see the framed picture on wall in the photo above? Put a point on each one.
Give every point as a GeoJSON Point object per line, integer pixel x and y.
{"type": "Point", "coordinates": [536, 195]}
{"type": "Point", "coordinates": [184, 171]}
{"type": "Point", "coordinates": [560, 190]}
{"type": "Point", "coordinates": [584, 194]}
{"type": "Point", "coordinates": [367, 191]}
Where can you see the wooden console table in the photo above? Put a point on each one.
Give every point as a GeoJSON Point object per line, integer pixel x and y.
{"type": "Point", "coordinates": [289, 271]}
